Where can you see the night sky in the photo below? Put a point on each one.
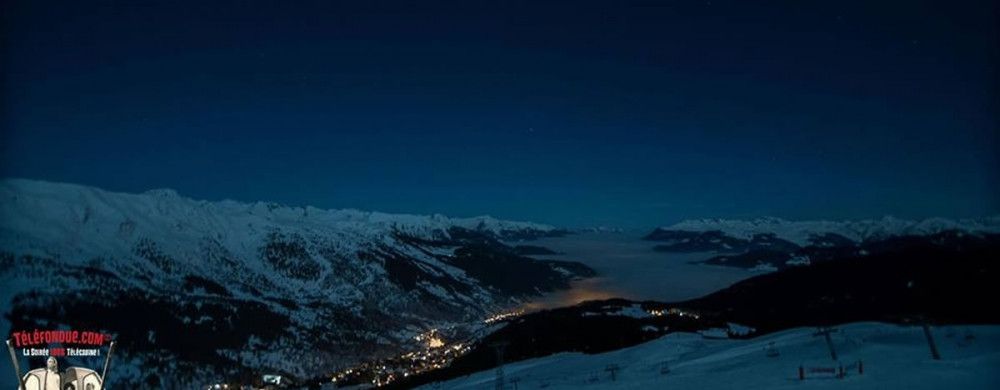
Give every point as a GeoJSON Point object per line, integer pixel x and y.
{"type": "Point", "coordinates": [578, 113]}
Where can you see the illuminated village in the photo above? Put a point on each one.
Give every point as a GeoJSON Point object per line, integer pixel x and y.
{"type": "Point", "coordinates": [436, 353]}
{"type": "Point", "coordinates": [672, 312]}
{"type": "Point", "coordinates": [439, 352]}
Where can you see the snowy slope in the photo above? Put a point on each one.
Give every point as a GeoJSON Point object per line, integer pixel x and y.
{"type": "Point", "coordinates": [76, 213]}
{"type": "Point", "coordinates": [893, 357]}
{"type": "Point", "coordinates": [250, 285]}
{"type": "Point", "coordinates": [802, 232]}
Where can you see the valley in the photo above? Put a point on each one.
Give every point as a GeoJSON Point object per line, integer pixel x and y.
{"type": "Point", "coordinates": [627, 267]}
{"type": "Point", "coordinates": [219, 292]}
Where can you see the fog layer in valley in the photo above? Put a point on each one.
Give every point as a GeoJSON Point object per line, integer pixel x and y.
{"type": "Point", "coordinates": [628, 267]}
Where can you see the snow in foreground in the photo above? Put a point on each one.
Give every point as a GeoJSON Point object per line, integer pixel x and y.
{"type": "Point", "coordinates": [893, 357]}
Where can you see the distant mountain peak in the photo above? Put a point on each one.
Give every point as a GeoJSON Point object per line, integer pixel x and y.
{"type": "Point", "coordinates": [800, 232]}
{"type": "Point", "coordinates": [163, 193]}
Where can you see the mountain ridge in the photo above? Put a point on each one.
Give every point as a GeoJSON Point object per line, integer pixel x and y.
{"type": "Point", "coordinates": [252, 285]}
{"type": "Point", "coordinates": [801, 231]}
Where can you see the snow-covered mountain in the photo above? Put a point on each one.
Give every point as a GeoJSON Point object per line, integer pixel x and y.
{"type": "Point", "coordinates": [222, 288]}
{"type": "Point", "coordinates": [891, 356]}
{"type": "Point", "coordinates": [773, 243]}
{"type": "Point", "coordinates": [905, 285]}
{"type": "Point", "coordinates": [804, 233]}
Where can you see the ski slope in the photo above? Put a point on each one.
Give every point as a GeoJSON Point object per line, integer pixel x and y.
{"type": "Point", "coordinates": [894, 357]}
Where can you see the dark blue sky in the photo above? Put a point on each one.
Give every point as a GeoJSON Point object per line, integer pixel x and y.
{"type": "Point", "coordinates": [577, 113]}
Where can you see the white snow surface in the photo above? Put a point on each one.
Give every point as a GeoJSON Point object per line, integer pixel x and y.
{"type": "Point", "coordinates": [893, 357]}
{"type": "Point", "coordinates": [77, 213]}
{"type": "Point", "coordinates": [76, 224]}
{"type": "Point", "coordinates": [80, 226]}
{"type": "Point", "coordinates": [800, 232]}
